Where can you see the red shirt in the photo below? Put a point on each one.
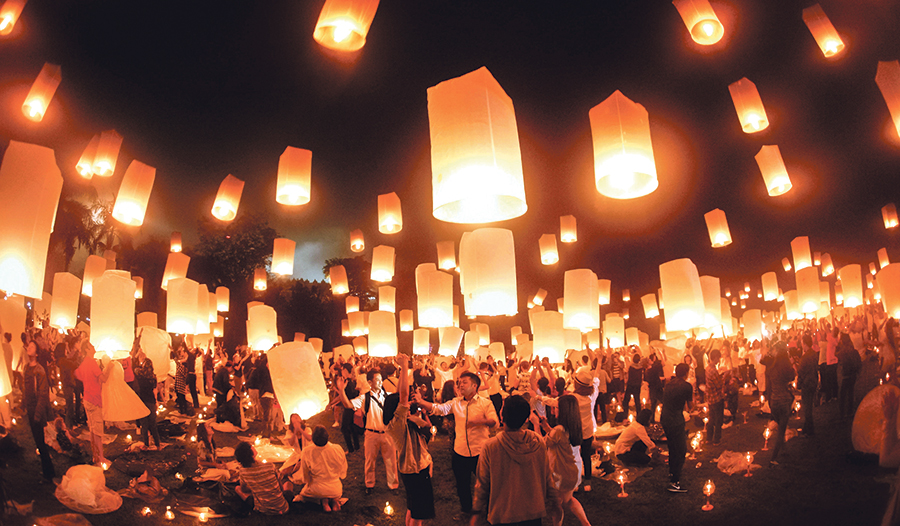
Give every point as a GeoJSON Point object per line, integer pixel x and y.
{"type": "Point", "coordinates": [89, 374]}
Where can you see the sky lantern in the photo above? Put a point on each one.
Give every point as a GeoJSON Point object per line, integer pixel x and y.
{"type": "Point", "coordinates": [700, 20]}
{"type": "Point", "coordinates": [487, 259]}
{"type": "Point", "coordinates": [889, 214]}
{"type": "Point", "coordinates": [614, 331]}
{"type": "Point", "coordinates": [317, 344]}
{"type": "Point", "coordinates": [134, 193]}
{"type": "Point", "coordinates": [435, 299]}
{"type": "Point", "coordinates": [786, 263]}
{"type": "Point", "coordinates": [297, 379]}
{"type": "Point", "coordinates": [470, 342]}
{"type": "Point", "coordinates": [104, 164]}
{"type": "Point", "coordinates": [568, 230]}
{"type": "Point", "coordinates": [549, 338]}
{"type": "Point", "coordinates": [421, 269]}
{"type": "Point", "coordinates": [387, 298]}
{"type": "Point", "coordinates": [357, 241]}
{"type": "Point", "coordinates": [351, 304]}
{"type": "Point", "coordinates": [446, 255]}
{"type": "Point", "coordinates": [540, 296]}
{"type": "Point", "coordinates": [85, 166]}
{"type": "Point", "coordinates": [513, 332]}
{"type": "Point", "coordinates": [94, 267]}
{"type": "Point", "coordinates": [202, 315]}
{"type": "Point", "coordinates": [262, 332]}
{"type": "Point", "coordinates": [390, 216]}
{"type": "Point", "coordinates": [817, 258]}
{"type": "Point", "coordinates": [41, 91]}
{"type": "Point", "coordinates": [356, 323]}
{"type": "Point", "coordinates": [175, 242]}
{"type": "Point", "coordinates": [283, 256]}
{"type": "Point", "coordinates": [483, 330]}
{"type": "Point", "coordinates": [717, 225]}
{"type": "Point", "coordinates": [475, 158]}
{"type": "Point", "coordinates": [822, 30]}
{"type": "Point", "coordinates": [382, 334]}
{"type": "Point", "coordinates": [774, 173]}
{"type": "Point", "coordinates": [337, 276]}
{"type": "Point", "coordinates": [650, 308]}
{"type": "Point", "coordinates": [227, 198]}
{"type": "Point", "coordinates": [382, 263]}
{"type": "Point", "coordinates": [456, 315]}
{"type": "Point", "coordinates": [593, 340]}
{"type": "Point", "coordinates": [9, 15]}
{"type": "Point", "coordinates": [176, 267]}
{"type": "Point", "coordinates": [624, 167]}
{"type": "Point", "coordinates": [750, 110]}
{"type": "Point", "coordinates": [181, 306]}
{"type": "Point", "coordinates": [870, 281]}
{"type": "Point", "coordinates": [344, 24]}
{"type": "Point", "coordinates": [792, 305]}
{"type": "Point", "coordinates": [30, 183]}
{"type": "Point", "coordinates": [406, 320]}
{"type": "Point", "coordinates": [770, 286]}
{"type": "Point", "coordinates": [345, 328]}
{"type": "Point", "coordinates": [260, 279]}
{"type": "Point", "coordinates": [827, 265]}
{"type": "Point", "coordinates": [451, 338]}
{"type": "Point", "coordinates": [549, 253]}
{"type": "Point", "coordinates": [889, 285]}
{"type": "Point", "coordinates": [632, 336]}
{"type": "Point", "coordinates": [603, 292]}
{"type": "Point", "coordinates": [64, 306]}
{"type": "Point", "coordinates": [800, 250]}
{"type": "Point", "coordinates": [753, 324]}
{"type": "Point", "coordinates": [212, 310]}
{"type": "Point", "coordinates": [808, 289]}
{"type": "Point", "coordinates": [825, 293]}
{"type": "Point", "coordinates": [421, 341]}
{"type": "Point", "coordinates": [872, 268]}
{"type": "Point", "coordinates": [223, 297]}
{"type": "Point", "coordinates": [684, 295]}
{"type": "Point", "coordinates": [838, 293]}
{"type": "Point", "coordinates": [626, 295]}
{"type": "Point", "coordinates": [138, 287]}
{"type": "Point", "coordinates": [580, 292]}
{"type": "Point", "coordinates": [711, 288]}
{"type": "Point", "coordinates": [883, 259]}
{"type": "Point", "coordinates": [112, 314]}
{"type": "Point", "coordinates": [146, 319]}
{"type": "Point", "coordinates": [294, 167]}
{"type": "Point", "coordinates": [888, 79]}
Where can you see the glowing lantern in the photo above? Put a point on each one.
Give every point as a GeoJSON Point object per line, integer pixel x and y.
{"type": "Point", "coordinates": [626, 295]}
{"type": "Point", "coordinates": [872, 269]}
{"type": "Point", "coordinates": [568, 231]}
{"type": "Point", "coordinates": [475, 159]}
{"type": "Point", "coordinates": [549, 338]}
{"type": "Point", "coordinates": [357, 242]}
{"type": "Point", "coordinates": [147, 319]}
{"type": "Point", "coordinates": [356, 323]}
{"type": "Point", "coordinates": [470, 342]}
{"type": "Point", "coordinates": [345, 328]}
{"type": "Point", "coordinates": [337, 275]}
{"type": "Point", "coordinates": [94, 267]}
{"type": "Point", "coordinates": [700, 20]}
{"type": "Point", "coordinates": [85, 166]}
{"type": "Point", "coordinates": [175, 242]}
{"type": "Point", "coordinates": [41, 91]}
{"type": "Point", "coordinates": [64, 306]}
{"type": "Point", "coordinates": [9, 15]}
{"type": "Point", "coordinates": [262, 332]}
{"type": "Point", "coordinates": [593, 339]}
{"type": "Point", "coordinates": [446, 255]}
{"type": "Point", "coordinates": [750, 110]}
{"type": "Point", "coordinates": [456, 315]}
{"type": "Point", "coordinates": [421, 343]}
{"type": "Point", "coordinates": [223, 297]}
{"type": "Point", "coordinates": [827, 265]}
{"type": "Point", "coordinates": [800, 250]}
{"type": "Point", "coordinates": [614, 331]}
{"type": "Point", "coordinates": [387, 298]}
{"type": "Point", "coordinates": [107, 152]}
{"type": "Point", "coordinates": [382, 263]}
{"type": "Point", "coordinates": [488, 272]}
{"type": "Point", "coordinates": [181, 306]}
{"type": "Point", "coordinates": [774, 173]}
{"type": "Point", "coordinates": [603, 292]}
{"type": "Point", "coordinates": [560, 302]}
{"type": "Point", "coordinates": [549, 253]}
{"type": "Point", "coordinates": [753, 324]}
{"type": "Point", "coordinates": [227, 198]}
{"type": "Point", "coordinates": [889, 283]}
{"type": "Point", "coordinates": [450, 339]}
{"type": "Point", "coordinates": [360, 345]}
{"type": "Point", "coordinates": [825, 34]}
{"type": "Point", "coordinates": [888, 80]}
{"type": "Point", "coordinates": [889, 214]}
{"type": "Point", "coordinates": [792, 305]}
{"type": "Point", "coordinates": [717, 225]}
{"type": "Point", "coordinates": [299, 337]}
{"type": "Point", "coordinates": [134, 193]}
{"type": "Point", "coordinates": [539, 297]}
{"type": "Point", "coordinates": [390, 217]}
{"type": "Point", "coordinates": [138, 287]}
{"type": "Point", "coordinates": [351, 304]}
{"type": "Point", "coordinates": [770, 286]}
{"type": "Point", "coordinates": [176, 267]}
{"type": "Point", "coordinates": [283, 256]}
{"type": "Point", "coordinates": [712, 306]}
{"type": "Point", "coordinates": [435, 299]}
{"type": "Point", "coordinates": [883, 259]}
{"type": "Point", "coordinates": [580, 293]}
{"type": "Point", "coordinates": [406, 320]}
{"type": "Point", "coordinates": [260, 279]}
{"type": "Point", "coordinates": [650, 308]}
{"type": "Point", "coordinates": [632, 336]}
{"type": "Point", "coordinates": [624, 167]}
{"type": "Point", "coordinates": [825, 293]}
{"type": "Point", "coordinates": [294, 168]}
{"type": "Point", "coordinates": [684, 295]}
{"type": "Point", "coordinates": [382, 334]}
{"type": "Point", "coordinates": [297, 379]}
{"type": "Point", "coordinates": [484, 333]}
{"type": "Point", "coordinates": [112, 314]}
{"type": "Point", "coordinates": [344, 24]}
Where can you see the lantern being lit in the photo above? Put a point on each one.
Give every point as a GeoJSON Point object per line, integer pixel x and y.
{"type": "Point", "coordinates": [283, 256]}
{"type": "Point", "coordinates": [344, 24]}
{"type": "Point", "coordinates": [888, 79]}
{"type": "Point", "coordinates": [475, 157]}
{"type": "Point", "coordinates": [822, 30]}
{"type": "Point", "coordinates": [294, 167]}
{"type": "Point", "coordinates": [549, 337]}
{"type": "Point", "coordinates": [774, 173]}
{"type": "Point", "coordinates": [889, 215]}
{"type": "Point", "coordinates": [104, 164]}
{"type": "Point", "coordinates": [390, 216]}
{"type": "Point", "coordinates": [337, 275]}
{"type": "Point", "coordinates": [382, 263]}
{"type": "Point", "coordinates": [260, 279]}
{"type": "Point", "coordinates": [549, 253]}
{"type": "Point", "coordinates": [9, 15]}
{"type": "Point", "coordinates": [41, 92]}
{"type": "Point", "coordinates": [297, 379]}
{"type": "Point", "coordinates": [64, 305]}
{"type": "Point", "coordinates": [568, 230]}
{"type": "Point", "coordinates": [700, 20]}
{"type": "Point", "coordinates": [85, 166]}
{"type": "Point", "coordinates": [421, 343]}
{"type": "Point", "coordinates": [138, 287]}
{"type": "Point", "coordinates": [719, 234]}
{"type": "Point", "coordinates": [227, 199]}
{"type": "Point", "coordinates": [134, 193]}
{"type": "Point", "coordinates": [488, 272]}
{"type": "Point", "coordinates": [406, 320]}
{"type": "Point", "coordinates": [750, 110]}
{"type": "Point", "coordinates": [624, 167]}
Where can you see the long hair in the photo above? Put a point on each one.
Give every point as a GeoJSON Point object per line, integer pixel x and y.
{"type": "Point", "coordinates": [570, 418]}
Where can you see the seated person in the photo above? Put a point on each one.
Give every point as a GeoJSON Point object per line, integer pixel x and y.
{"type": "Point", "coordinates": [634, 443]}
{"type": "Point", "coordinates": [206, 447]}
{"type": "Point", "coordinates": [323, 464]}
{"type": "Point", "coordinates": [68, 445]}
{"type": "Point", "coordinates": [230, 410]}
{"type": "Point", "coordinates": [260, 481]}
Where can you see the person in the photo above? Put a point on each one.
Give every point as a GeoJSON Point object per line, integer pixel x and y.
{"type": "Point", "coordinates": [563, 443]}
{"type": "Point", "coordinates": [676, 395]}
{"type": "Point", "coordinates": [206, 446]}
{"type": "Point", "coordinates": [348, 428]}
{"type": "Point", "coordinates": [92, 377]}
{"type": "Point", "coordinates": [780, 374]}
{"type": "Point", "coordinates": [181, 388]}
{"type": "Point", "coordinates": [634, 443]}
{"type": "Point", "coordinates": [473, 416]}
{"type": "Point", "coordinates": [71, 392]}
{"type": "Point", "coordinates": [323, 465]}
{"type": "Point", "coordinates": [375, 442]}
{"type": "Point", "coordinates": [120, 402]}
{"type": "Point", "coordinates": [259, 480]}
{"type": "Point", "coordinates": [635, 376]}
{"type": "Point", "coordinates": [654, 376]}
{"type": "Point", "coordinates": [808, 382]}
{"type": "Point", "coordinates": [36, 399]}
{"type": "Point", "coordinates": [222, 382]}
{"type": "Point", "coordinates": [850, 364]}
{"type": "Point", "coordinates": [230, 409]}
{"type": "Point", "coordinates": [266, 395]}
{"type": "Point", "coordinates": [514, 484]}
{"type": "Point", "coordinates": [145, 378]}
{"type": "Point", "coordinates": [715, 398]}
{"type": "Point", "coordinates": [298, 438]}
{"type": "Point", "coordinates": [889, 455]}
{"type": "Point", "coordinates": [586, 390]}
{"type": "Point", "coordinates": [191, 374]}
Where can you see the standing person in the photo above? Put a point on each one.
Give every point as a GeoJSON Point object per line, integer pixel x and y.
{"type": "Point", "coordinates": [715, 397]}
{"type": "Point", "coordinates": [191, 375]}
{"type": "Point", "coordinates": [780, 374]}
{"type": "Point", "coordinates": [808, 381]}
{"type": "Point", "coordinates": [473, 416]}
{"type": "Point", "coordinates": [251, 382]}
{"type": "Point", "coordinates": [222, 382]}
{"type": "Point", "coordinates": [208, 370]}
{"type": "Point", "coordinates": [634, 377]}
{"type": "Point", "coordinates": [514, 484]}
{"type": "Point", "coordinates": [145, 378]}
{"type": "Point", "coordinates": [376, 442]}
{"type": "Point", "coordinates": [92, 377]}
{"type": "Point", "coordinates": [850, 364]}
{"type": "Point", "coordinates": [586, 390]}
{"type": "Point", "coordinates": [654, 377]}
{"type": "Point", "coordinates": [71, 392]}
{"type": "Point", "coordinates": [563, 444]}
{"type": "Point", "coordinates": [348, 428]}
{"type": "Point", "coordinates": [36, 399]}
{"type": "Point", "coordinates": [181, 388]}
{"type": "Point", "coordinates": [677, 394]}
{"type": "Point", "coordinates": [266, 394]}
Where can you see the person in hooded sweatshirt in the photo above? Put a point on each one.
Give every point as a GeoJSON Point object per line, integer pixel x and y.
{"type": "Point", "coordinates": [514, 485]}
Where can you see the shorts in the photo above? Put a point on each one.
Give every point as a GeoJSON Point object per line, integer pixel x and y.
{"type": "Point", "coordinates": [419, 494]}
{"type": "Point", "coordinates": [94, 418]}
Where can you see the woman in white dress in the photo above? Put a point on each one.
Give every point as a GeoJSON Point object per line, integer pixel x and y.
{"type": "Point", "coordinates": [120, 402]}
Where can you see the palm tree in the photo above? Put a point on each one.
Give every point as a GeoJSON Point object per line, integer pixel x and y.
{"type": "Point", "coordinates": [73, 228]}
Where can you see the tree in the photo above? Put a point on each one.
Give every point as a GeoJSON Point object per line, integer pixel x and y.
{"type": "Point", "coordinates": [106, 233]}
{"type": "Point", "coordinates": [72, 229]}
{"type": "Point", "coordinates": [359, 279]}
{"type": "Point", "coordinates": [228, 254]}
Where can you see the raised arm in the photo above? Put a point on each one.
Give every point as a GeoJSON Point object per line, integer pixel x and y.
{"type": "Point", "coordinates": [403, 388]}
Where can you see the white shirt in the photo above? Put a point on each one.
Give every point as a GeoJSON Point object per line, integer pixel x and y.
{"type": "Point", "coordinates": [632, 434]}
{"type": "Point", "coordinates": [469, 440]}
{"type": "Point", "coordinates": [375, 417]}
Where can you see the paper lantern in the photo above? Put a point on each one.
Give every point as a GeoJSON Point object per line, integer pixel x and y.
{"type": "Point", "coordinates": [753, 328]}
{"type": "Point", "coordinates": [85, 166]}
{"type": "Point", "coordinates": [262, 332]}
{"type": "Point", "coordinates": [435, 299]}
{"type": "Point", "coordinates": [260, 279]}
{"type": "Point", "coordinates": [107, 153]}
{"type": "Point", "coordinates": [112, 314]}
{"type": "Point", "coordinates": [650, 309]}
{"type": "Point", "coordinates": [421, 343]}
{"type": "Point", "coordinates": [827, 265]}
{"type": "Point", "coordinates": [176, 267]}
{"type": "Point", "coordinates": [470, 342]}
{"type": "Point", "coordinates": [497, 351]}
{"type": "Point", "coordinates": [450, 339]}
{"type": "Point", "coordinates": [387, 298]}
{"type": "Point", "coordinates": [138, 287]}
{"type": "Point", "coordinates": [475, 158]}
{"type": "Point", "coordinates": [786, 263]}
{"type": "Point", "coordinates": [888, 79]}
{"type": "Point", "coordinates": [701, 21]}
{"type": "Point", "coordinates": [134, 193]}
{"type": "Point", "coordinates": [9, 15]}
{"type": "Point", "coordinates": [549, 253]}
{"type": "Point", "coordinates": [344, 24]}
{"type": "Point", "coordinates": [889, 214]}
{"type": "Point", "coordinates": [624, 167]}
{"type": "Point", "coordinates": [568, 230]}
{"type": "Point", "coordinates": [549, 339]}
{"type": "Point", "coordinates": [297, 379]}
{"type": "Point", "coordinates": [351, 304]}
{"type": "Point", "coordinates": [488, 272]}
{"type": "Point", "coordinates": [223, 296]}
{"type": "Point", "coordinates": [540, 296]}
{"type": "Point", "coordinates": [614, 331]}
{"type": "Point", "coordinates": [356, 322]}
{"type": "Point", "coordinates": [719, 234]}
{"type": "Point", "coordinates": [851, 285]}
{"type": "Point", "coordinates": [94, 267]}
{"type": "Point", "coordinates": [808, 289]}
{"type": "Point", "coordinates": [283, 256]}
{"type": "Point", "coordinates": [406, 320]}
{"type": "Point", "coordinates": [800, 250]}
{"type": "Point", "coordinates": [227, 199]}
{"type": "Point", "coordinates": [483, 331]}
{"type": "Point", "coordinates": [181, 306]}
{"type": "Point", "coordinates": [603, 292]}
{"type": "Point", "coordinates": [202, 315]}
{"type": "Point", "coordinates": [770, 286]}
{"type": "Point", "coordinates": [825, 293]}
{"type": "Point", "coordinates": [593, 339]}
{"type": "Point", "coordinates": [64, 306]}
{"type": "Point", "coordinates": [872, 269]}
{"type": "Point", "coordinates": [337, 276]}
{"type": "Point", "coordinates": [883, 259]}
{"type": "Point", "coordinates": [30, 183]}
{"type": "Point", "coordinates": [382, 334]}
{"type": "Point", "coordinates": [382, 263]}
{"type": "Point", "coordinates": [825, 34]}
{"type": "Point", "coordinates": [390, 217]}
{"type": "Point", "coordinates": [712, 306]}
{"type": "Point", "coordinates": [456, 315]}
{"type": "Point", "coordinates": [299, 337]}
{"type": "Point", "coordinates": [294, 167]}
{"type": "Point", "coordinates": [446, 255]}
{"type": "Point", "coordinates": [684, 295]}
{"type": "Point", "coordinates": [560, 302]}
{"type": "Point", "coordinates": [212, 307]}
{"type": "Point", "coordinates": [750, 110]}
{"type": "Point", "coordinates": [175, 242]}
{"type": "Point", "coordinates": [357, 242]}
{"type": "Point", "coordinates": [345, 328]}
{"type": "Point", "coordinates": [774, 173]}
{"type": "Point", "coordinates": [632, 336]}
{"type": "Point", "coordinates": [41, 92]}
{"type": "Point", "coordinates": [580, 291]}
{"type": "Point", "coordinates": [889, 285]}
{"type": "Point", "coordinates": [146, 319]}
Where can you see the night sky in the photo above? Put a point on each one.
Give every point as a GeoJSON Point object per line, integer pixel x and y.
{"type": "Point", "coordinates": [202, 89]}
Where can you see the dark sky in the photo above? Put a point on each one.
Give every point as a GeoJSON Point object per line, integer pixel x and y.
{"type": "Point", "coordinates": [201, 89]}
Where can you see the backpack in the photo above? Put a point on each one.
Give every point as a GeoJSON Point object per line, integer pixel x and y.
{"type": "Point", "coordinates": [361, 414]}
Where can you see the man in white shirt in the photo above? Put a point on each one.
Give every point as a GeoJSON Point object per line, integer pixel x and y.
{"type": "Point", "coordinates": [633, 444]}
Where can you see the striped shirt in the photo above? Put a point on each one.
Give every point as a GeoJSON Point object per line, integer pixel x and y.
{"type": "Point", "coordinates": [262, 481]}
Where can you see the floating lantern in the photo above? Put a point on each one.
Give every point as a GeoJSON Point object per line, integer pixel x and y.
{"type": "Point", "coordinates": [488, 272]}
{"type": "Point", "coordinates": [549, 338]}
{"type": "Point", "coordinates": [484, 333]}
{"type": "Point", "coordinates": [684, 295]}
{"type": "Point", "coordinates": [294, 167]}
{"type": "Point", "coordinates": [85, 166]}
{"type": "Point", "coordinates": [568, 231]}
{"type": "Point", "coordinates": [112, 314]}
{"type": "Point", "coordinates": [549, 253]}
{"type": "Point", "coordinates": [614, 331]}
{"type": "Point", "coordinates": [750, 110]}
{"type": "Point", "coordinates": [181, 306]}
{"type": "Point", "coordinates": [387, 298]}
{"type": "Point", "coordinates": [770, 286]}
{"type": "Point", "coordinates": [94, 267]}
{"type": "Point", "coordinates": [883, 259]}
{"type": "Point", "coordinates": [345, 328]}
{"type": "Point", "coordinates": [838, 294]}
{"type": "Point", "coordinates": [283, 256]}
{"type": "Point", "coordinates": [30, 183]}
{"type": "Point", "coordinates": [470, 342]}
{"type": "Point", "coordinates": [357, 241]}
{"type": "Point", "coordinates": [580, 292]}
{"type": "Point", "coordinates": [107, 153]}
{"type": "Point", "coordinates": [632, 336]}
{"type": "Point", "coordinates": [456, 315]}
{"type": "Point", "coordinates": [175, 242]}
{"type": "Point", "coordinates": [9, 15]}
{"type": "Point", "coordinates": [262, 332]}
{"type": "Point", "coordinates": [390, 217]}
{"type": "Point", "coordinates": [822, 30]}
{"type": "Point", "coordinates": [260, 279]}
{"type": "Point", "coordinates": [701, 21]}
{"type": "Point", "coordinates": [889, 285]}
{"type": "Point", "coordinates": [774, 173]}
{"type": "Point", "coordinates": [753, 324]}
{"type": "Point", "coordinates": [708, 489]}
{"type": "Point", "coordinates": [712, 305]}
{"type": "Point", "coordinates": [446, 255]}
{"type": "Point", "coordinates": [41, 91]}
{"type": "Point", "coordinates": [800, 250]}
{"type": "Point", "coordinates": [344, 24]}
{"type": "Point", "coordinates": [851, 285]}
{"type": "Point", "coordinates": [650, 309]}
{"type": "Point", "coordinates": [202, 315]}
{"type": "Point", "coordinates": [888, 80]}
{"type": "Point", "coordinates": [356, 323]}
{"type": "Point", "coordinates": [406, 320]}
{"type": "Point", "coordinates": [727, 292]}
{"type": "Point", "coordinates": [889, 214]}
{"type": "Point", "coordinates": [624, 167]}
{"type": "Point", "coordinates": [176, 267]}
{"type": "Point", "coordinates": [147, 319]}
{"type": "Point", "coordinates": [792, 305]}
{"type": "Point", "coordinates": [539, 297]}
{"type": "Point", "coordinates": [435, 299]}
{"type": "Point", "coordinates": [717, 225]}
{"type": "Point", "coordinates": [297, 379]}
{"type": "Point", "coordinates": [662, 336]}
{"type": "Point", "coordinates": [223, 296]}
{"type": "Point", "coordinates": [134, 193]}
{"type": "Point", "coordinates": [817, 258]}
{"type": "Point", "coordinates": [593, 339]}
{"type": "Point", "coordinates": [64, 305]}
{"type": "Point", "coordinates": [337, 275]}
{"type": "Point", "coordinates": [382, 263]}
{"type": "Point", "coordinates": [560, 302]}
{"type": "Point", "coordinates": [382, 334]}
{"type": "Point", "coordinates": [626, 295]}
{"type": "Point", "coordinates": [786, 263]}
{"type": "Point", "coordinates": [421, 344]}
{"type": "Point", "coordinates": [227, 198]}
{"type": "Point", "coordinates": [475, 158]}
{"type": "Point", "coordinates": [138, 287]}
{"type": "Point", "coordinates": [872, 269]}
{"type": "Point", "coordinates": [351, 304]}
{"type": "Point", "coordinates": [827, 265]}
{"type": "Point", "coordinates": [603, 292]}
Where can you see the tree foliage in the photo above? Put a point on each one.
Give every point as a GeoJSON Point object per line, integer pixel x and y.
{"type": "Point", "coordinates": [359, 279]}
{"type": "Point", "coordinates": [230, 253]}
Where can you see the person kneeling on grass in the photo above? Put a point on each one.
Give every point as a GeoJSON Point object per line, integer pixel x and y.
{"type": "Point", "coordinates": [634, 443]}
{"type": "Point", "coordinates": [323, 465]}
{"type": "Point", "coordinates": [260, 481]}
